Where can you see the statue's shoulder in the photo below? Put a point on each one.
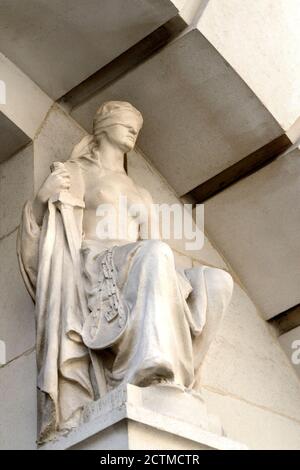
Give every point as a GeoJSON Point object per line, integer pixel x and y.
{"type": "Point", "coordinates": [145, 194]}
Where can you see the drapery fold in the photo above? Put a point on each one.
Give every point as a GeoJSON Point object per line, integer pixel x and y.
{"type": "Point", "coordinates": [63, 361]}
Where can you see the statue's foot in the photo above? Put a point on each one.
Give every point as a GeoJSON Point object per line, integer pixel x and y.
{"type": "Point", "coordinates": [155, 371]}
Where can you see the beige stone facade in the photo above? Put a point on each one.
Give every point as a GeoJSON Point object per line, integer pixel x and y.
{"type": "Point", "coordinates": [212, 93]}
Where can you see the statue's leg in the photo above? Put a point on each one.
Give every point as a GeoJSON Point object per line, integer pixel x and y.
{"type": "Point", "coordinates": [218, 290]}
{"type": "Point", "coordinates": [157, 343]}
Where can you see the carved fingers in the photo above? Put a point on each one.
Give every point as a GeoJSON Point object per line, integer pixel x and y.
{"type": "Point", "coordinates": [58, 180]}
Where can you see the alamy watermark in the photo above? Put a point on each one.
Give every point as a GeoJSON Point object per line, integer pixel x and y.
{"type": "Point", "coordinates": [153, 221]}
{"type": "Point", "coordinates": [2, 92]}
{"type": "Point", "coordinates": [296, 354]}
{"type": "Point", "coordinates": [2, 352]}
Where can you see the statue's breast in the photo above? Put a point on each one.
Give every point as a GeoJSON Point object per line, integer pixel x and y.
{"type": "Point", "coordinates": [111, 189]}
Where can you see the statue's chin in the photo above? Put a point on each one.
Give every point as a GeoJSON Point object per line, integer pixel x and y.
{"type": "Point", "coordinates": [128, 148]}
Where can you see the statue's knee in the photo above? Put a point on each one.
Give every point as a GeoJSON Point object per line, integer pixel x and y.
{"type": "Point", "coordinates": [220, 282]}
{"type": "Point", "coordinates": [156, 248]}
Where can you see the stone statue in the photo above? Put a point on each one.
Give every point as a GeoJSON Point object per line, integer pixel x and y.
{"type": "Point", "coordinates": [108, 311]}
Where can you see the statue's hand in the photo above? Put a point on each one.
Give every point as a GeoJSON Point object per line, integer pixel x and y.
{"type": "Point", "coordinates": [59, 180]}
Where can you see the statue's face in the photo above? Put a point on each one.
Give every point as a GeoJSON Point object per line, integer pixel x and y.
{"type": "Point", "coordinates": [122, 136]}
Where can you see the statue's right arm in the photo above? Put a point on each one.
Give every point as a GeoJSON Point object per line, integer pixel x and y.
{"type": "Point", "coordinates": [59, 180]}
{"type": "Point", "coordinates": [32, 220]}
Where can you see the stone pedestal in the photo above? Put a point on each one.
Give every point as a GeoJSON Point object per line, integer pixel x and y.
{"type": "Point", "coordinates": [157, 417]}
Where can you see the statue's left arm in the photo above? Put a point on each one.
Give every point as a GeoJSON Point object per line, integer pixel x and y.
{"type": "Point", "coordinates": [150, 229]}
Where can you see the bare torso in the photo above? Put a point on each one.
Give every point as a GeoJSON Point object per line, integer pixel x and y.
{"type": "Point", "coordinates": [105, 187]}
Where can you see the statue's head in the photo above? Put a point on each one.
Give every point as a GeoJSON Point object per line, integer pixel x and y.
{"type": "Point", "coordinates": [118, 122]}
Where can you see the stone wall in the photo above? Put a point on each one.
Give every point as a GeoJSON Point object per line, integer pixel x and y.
{"type": "Point", "coordinates": [247, 379]}
{"type": "Point", "coordinates": [261, 42]}
{"type": "Point", "coordinates": [17, 376]}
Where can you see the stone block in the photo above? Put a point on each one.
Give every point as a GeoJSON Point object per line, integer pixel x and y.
{"type": "Point", "coordinates": [16, 186]}
{"type": "Point", "coordinates": [58, 45]}
{"type": "Point", "coordinates": [256, 224]}
{"type": "Point", "coordinates": [258, 427]}
{"type": "Point", "coordinates": [17, 319]}
{"type": "Point", "coordinates": [247, 362]}
{"type": "Point", "coordinates": [261, 43]}
{"type": "Point", "coordinates": [156, 417]}
{"type": "Point", "coordinates": [18, 404]}
{"type": "Point", "coordinates": [26, 104]}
